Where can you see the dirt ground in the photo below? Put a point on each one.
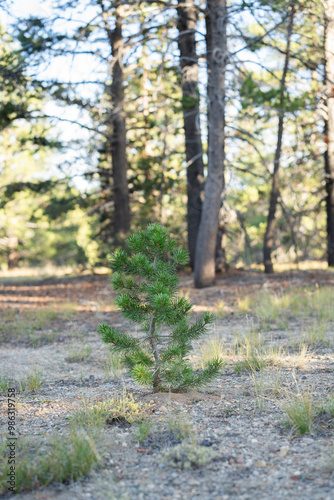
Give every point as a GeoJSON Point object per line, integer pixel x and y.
{"type": "Point", "coordinates": [240, 417]}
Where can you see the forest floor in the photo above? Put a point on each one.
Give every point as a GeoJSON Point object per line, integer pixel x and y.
{"type": "Point", "coordinates": [264, 429]}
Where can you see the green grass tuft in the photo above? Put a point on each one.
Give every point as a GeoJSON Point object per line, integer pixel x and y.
{"type": "Point", "coordinates": [78, 354]}
{"type": "Point", "coordinates": [31, 382]}
{"type": "Point", "coordinates": [113, 365]}
{"type": "Point", "coordinates": [59, 459]}
{"type": "Point", "coordinates": [142, 429]}
{"type": "Point", "coordinates": [300, 411]}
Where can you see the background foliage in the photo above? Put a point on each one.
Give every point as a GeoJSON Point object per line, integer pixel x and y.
{"type": "Point", "coordinates": [56, 73]}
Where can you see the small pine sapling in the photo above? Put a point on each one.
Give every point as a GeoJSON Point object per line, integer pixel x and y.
{"type": "Point", "coordinates": [146, 280]}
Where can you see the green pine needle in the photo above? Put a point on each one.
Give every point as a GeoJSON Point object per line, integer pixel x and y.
{"type": "Point", "coordinates": [146, 281]}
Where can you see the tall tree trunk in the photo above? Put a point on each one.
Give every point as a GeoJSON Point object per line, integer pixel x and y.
{"type": "Point", "coordinates": [118, 144]}
{"type": "Point", "coordinates": [268, 242]}
{"type": "Point", "coordinates": [117, 140]}
{"type": "Point", "coordinates": [220, 255]}
{"type": "Point", "coordinates": [329, 127]}
{"type": "Point", "coordinates": [187, 21]}
{"type": "Point", "coordinates": [207, 235]}
{"type": "Point", "coordinates": [220, 252]}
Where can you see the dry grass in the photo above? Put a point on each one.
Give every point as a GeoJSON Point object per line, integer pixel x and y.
{"type": "Point", "coordinates": [307, 265]}
{"type": "Point", "coordinates": [210, 349]}
{"type": "Point", "coordinates": [316, 333]}
{"type": "Point", "coordinates": [113, 366]}
{"type": "Point", "coordinates": [303, 303]}
{"type": "Point", "coordinates": [299, 360]}
{"type": "Point", "coordinates": [267, 385]}
{"type": "Point", "coordinates": [180, 425]}
{"type": "Point", "coordinates": [219, 307]}
{"type": "Point", "coordinates": [245, 304]}
{"type": "Point", "coordinates": [92, 416]}
{"type": "Point", "coordinates": [47, 271]}
{"type": "Point", "coordinates": [188, 455]}
{"type": "Point", "coordinates": [253, 353]}
{"type": "Point", "coordinates": [28, 324]}
{"type": "Point", "coordinates": [79, 353]}
{"type": "Point", "coordinates": [95, 414]}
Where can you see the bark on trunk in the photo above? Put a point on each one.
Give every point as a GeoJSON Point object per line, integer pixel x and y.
{"type": "Point", "coordinates": [117, 139]}
{"type": "Point", "coordinates": [207, 235]}
{"type": "Point", "coordinates": [268, 243]}
{"type": "Point", "coordinates": [329, 127]}
{"type": "Point", "coordinates": [118, 144]}
{"type": "Point", "coordinates": [220, 255]}
{"type": "Point", "coordinates": [156, 375]}
{"type": "Point", "coordinates": [187, 21]}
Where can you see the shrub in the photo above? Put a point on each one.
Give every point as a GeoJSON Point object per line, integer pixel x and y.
{"type": "Point", "coordinates": [188, 455]}
{"type": "Point", "coordinates": [146, 280]}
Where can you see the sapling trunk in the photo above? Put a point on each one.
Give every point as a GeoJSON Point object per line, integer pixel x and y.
{"type": "Point", "coordinates": [156, 378]}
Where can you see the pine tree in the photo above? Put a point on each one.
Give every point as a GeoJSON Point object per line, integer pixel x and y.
{"type": "Point", "coordinates": [146, 281]}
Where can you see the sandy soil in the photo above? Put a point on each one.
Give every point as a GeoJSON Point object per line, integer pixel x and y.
{"type": "Point", "coordinates": [255, 455]}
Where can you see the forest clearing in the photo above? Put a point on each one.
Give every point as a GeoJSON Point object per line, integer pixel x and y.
{"type": "Point", "coordinates": [167, 249]}
{"type": "Point", "coordinates": [263, 428]}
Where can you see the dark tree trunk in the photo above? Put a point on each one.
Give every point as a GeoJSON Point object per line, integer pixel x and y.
{"type": "Point", "coordinates": [220, 255]}
{"type": "Point", "coordinates": [118, 144]}
{"type": "Point", "coordinates": [187, 21]}
{"type": "Point", "coordinates": [117, 139]}
{"type": "Point", "coordinates": [329, 128]}
{"type": "Point", "coordinates": [207, 235]}
{"type": "Point", "coordinates": [268, 243]}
